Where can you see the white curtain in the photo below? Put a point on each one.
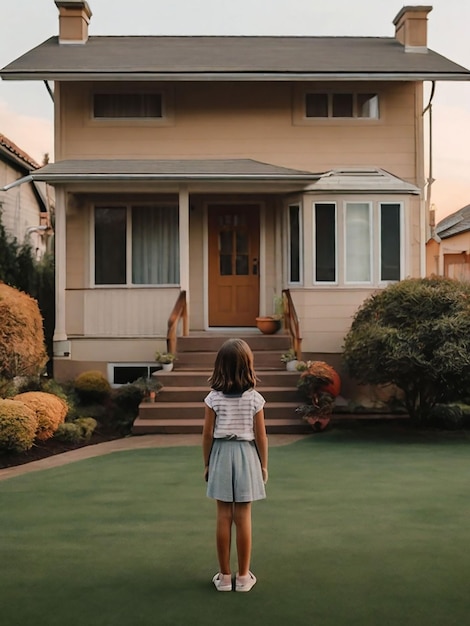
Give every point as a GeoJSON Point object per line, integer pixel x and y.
{"type": "Point", "coordinates": [155, 245]}
{"type": "Point", "coordinates": [358, 245]}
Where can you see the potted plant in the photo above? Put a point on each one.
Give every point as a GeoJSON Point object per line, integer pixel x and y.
{"type": "Point", "coordinates": [319, 383]}
{"type": "Point", "coordinates": [166, 360]}
{"type": "Point", "coordinates": [290, 359]}
{"type": "Point", "coordinates": [270, 324]}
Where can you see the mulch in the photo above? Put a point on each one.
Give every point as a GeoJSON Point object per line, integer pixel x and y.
{"type": "Point", "coordinates": [51, 447]}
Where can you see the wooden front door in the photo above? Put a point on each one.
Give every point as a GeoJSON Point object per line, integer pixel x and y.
{"type": "Point", "coordinates": [233, 264]}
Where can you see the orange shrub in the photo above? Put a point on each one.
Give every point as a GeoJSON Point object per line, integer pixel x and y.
{"type": "Point", "coordinates": [50, 411]}
{"type": "Point", "coordinates": [22, 350]}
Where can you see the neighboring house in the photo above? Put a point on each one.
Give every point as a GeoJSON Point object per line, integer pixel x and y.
{"type": "Point", "coordinates": [448, 251]}
{"type": "Point", "coordinates": [25, 209]}
{"type": "Point", "coordinates": [229, 168]}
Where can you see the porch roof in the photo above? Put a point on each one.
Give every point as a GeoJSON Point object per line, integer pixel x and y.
{"type": "Point", "coordinates": [174, 170]}
{"type": "Point", "coordinates": [361, 180]}
{"type": "Point", "coordinates": [265, 58]}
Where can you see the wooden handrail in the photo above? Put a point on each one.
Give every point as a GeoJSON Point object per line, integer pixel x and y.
{"type": "Point", "coordinates": [291, 323]}
{"type": "Point", "coordinates": [179, 312]}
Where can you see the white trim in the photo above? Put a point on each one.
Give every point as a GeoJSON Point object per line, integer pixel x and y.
{"type": "Point", "coordinates": [60, 229]}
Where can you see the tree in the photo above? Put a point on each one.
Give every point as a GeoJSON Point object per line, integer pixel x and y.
{"type": "Point", "coordinates": [416, 335]}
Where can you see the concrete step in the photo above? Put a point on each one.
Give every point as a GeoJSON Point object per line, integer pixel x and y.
{"type": "Point", "coordinates": [191, 410]}
{"type": "Point", "coordinates": [197, 394]}
{"type": "Point", "coordinates": [194, 426]}
{"type": "Point", "coordinates": [208, 342]}
{"type": "Point", "coordinates": [198, 378]}
{"type": "Point", "coordinates": [267, 359]}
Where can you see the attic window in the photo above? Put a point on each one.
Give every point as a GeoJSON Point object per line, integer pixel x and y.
{"type": "Point", "coordinates": [342, 105]}
{"type": "Point", "coordinates": [127, 105]}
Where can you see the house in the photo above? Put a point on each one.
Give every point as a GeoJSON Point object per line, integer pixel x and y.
{"type": "Point", "coordinates": [216, 172]}
{"type": "Point", "coordinates": [25, 210]}
{"type": "Point", "coordinates": [448, 251]}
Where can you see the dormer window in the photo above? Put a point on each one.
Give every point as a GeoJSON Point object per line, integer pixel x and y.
{"type": "Point", "coordinates": [342, 105]}
{"type": "Point", "coordinates": [127, 106]}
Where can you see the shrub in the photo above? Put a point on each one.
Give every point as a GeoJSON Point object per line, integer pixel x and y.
{"type": "Point", "coordinates": [18, 425]}
{"type": "Point", "coordinates": [22, 350]}
{"type": "Point", "coordinates": [78, 431]}
{"type": "Point", "coordinates": [50, 411]}
{"type": "Point", "coordinates": [92, 386]}
{"type": "Point", "coordinates": [416, 335]}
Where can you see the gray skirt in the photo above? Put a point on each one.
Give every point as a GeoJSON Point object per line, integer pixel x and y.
{"type": "Point", "coordinates": [235, 472]}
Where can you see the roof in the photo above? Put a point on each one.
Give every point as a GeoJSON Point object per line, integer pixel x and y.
{"type": "Point", "coordinates": [458, 222]}
{"type": "Point", "coordinates": [139, 170]}
{"type": "Point", "coordinates": [361, 180]}
{"type": "Point", "coordinates": [231, 57]}
{"type": "Point", "coordinates": [16, 154]}
{"type": "Point", "coordinates": [348, 180]}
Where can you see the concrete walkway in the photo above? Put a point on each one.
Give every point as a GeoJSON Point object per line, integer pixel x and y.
{"type": "Point", "coordinates": [127, 443]}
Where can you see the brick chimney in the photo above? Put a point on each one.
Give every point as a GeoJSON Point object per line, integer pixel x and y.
{"type": "Point", "coordinates": [74, 17]}
{"type": "Point", "coordinates": [411, 28]}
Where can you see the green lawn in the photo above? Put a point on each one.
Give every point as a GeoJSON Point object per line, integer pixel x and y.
{"type": "Point", "coordinates": [359, 528]}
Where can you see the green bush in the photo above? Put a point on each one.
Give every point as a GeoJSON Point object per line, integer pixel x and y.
{"type": "Point", "coordinates": [78, 431]}
{"type": "Point", "coordinates": [50, 411]}
{"type": "Point", "coordinates": [92, 386]}
{"type": "Point", "coordinates": [18, 425]}
{"type": "Point", "coordinates": [416, 335]}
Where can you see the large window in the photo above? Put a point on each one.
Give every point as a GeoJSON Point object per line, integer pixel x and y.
{"type": "Point", "coordinates": [127, 105]}
{"type": "Point", "coordinates": [136, 245]}
{"type": "Point", "coordinates": [342, 105]}
{"type": "Point", "coordinates": [357, 243]}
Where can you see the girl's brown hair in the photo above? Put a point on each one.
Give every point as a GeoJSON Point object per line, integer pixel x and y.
{"type": "Point", "coordinates": [233, 368]}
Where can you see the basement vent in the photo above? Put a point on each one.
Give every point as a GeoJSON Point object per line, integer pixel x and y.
{"type": "Point", "coordinates": [123, 373]}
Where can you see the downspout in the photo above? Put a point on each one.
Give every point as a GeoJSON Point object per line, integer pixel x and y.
{"type": "Point", "coordinates": [426, 227]}
{"type": "Point", "coordinates": [49, 90]}
{"type": "Point", "coordinates": [430, 179]}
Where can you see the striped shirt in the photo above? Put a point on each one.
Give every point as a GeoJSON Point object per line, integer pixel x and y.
{"type": "Point", "coordinates": [234, 413]}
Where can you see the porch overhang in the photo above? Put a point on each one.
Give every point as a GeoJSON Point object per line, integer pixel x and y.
{"type": "Point", "coordinates": [361, 180]}
{"type": "Point", "coordinates": [168, 171]}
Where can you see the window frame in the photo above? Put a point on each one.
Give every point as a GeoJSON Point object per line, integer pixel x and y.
{"type": "Point", "coordinates": [167, 105]}
{"type": "Point", "coordinates": [375, 230]}
{"type": "Point", "coordinates": [128, 206]}
{"type": "Point", "coordinates": [299, 107]}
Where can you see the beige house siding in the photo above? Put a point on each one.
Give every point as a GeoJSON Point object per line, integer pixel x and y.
{"type": "Point", "coordinates": [241, 120]}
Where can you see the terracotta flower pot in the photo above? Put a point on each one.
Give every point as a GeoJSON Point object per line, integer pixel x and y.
{"type": "Point", "coordinates": [268, 325]}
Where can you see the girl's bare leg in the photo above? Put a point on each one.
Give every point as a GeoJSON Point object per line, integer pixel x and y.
{"type": "Point", "coordinates": [224, 534]}
{"type": "Point", "coordinates": [242, 519]}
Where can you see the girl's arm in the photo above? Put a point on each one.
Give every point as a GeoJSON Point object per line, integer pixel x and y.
{"type": "Point", "coordinates": [261, 440]}
{"type": "Point", "coordinates": [207, 437]}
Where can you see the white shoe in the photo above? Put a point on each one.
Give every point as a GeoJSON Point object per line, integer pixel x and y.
{"type": "Point", "coordinates": [222, 582]}
{"type": "Point", "coordinates": [245, 583]}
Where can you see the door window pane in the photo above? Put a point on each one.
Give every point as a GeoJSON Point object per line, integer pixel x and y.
{"type": "Point", "coordinates": [325, 242]}
{"type": "Point", "coordinates": [390, 242]}
{"type": "Point", "coordinates": [358, 243]}
{"type": "Point", "coordinates": [242, 268]}
{"type": "Point", "coordinates": [110, 246]}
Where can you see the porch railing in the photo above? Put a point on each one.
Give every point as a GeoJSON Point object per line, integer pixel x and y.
{"type": "Point", "coordinates": [291, 323]}
{"type": "Point", "coordinates": [179, 313]}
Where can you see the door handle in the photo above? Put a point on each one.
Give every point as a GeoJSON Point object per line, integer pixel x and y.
{"type": "Point", "coordinates": [255, 267]}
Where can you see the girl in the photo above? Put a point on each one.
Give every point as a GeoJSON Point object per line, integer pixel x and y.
{"type": "Point", "coordinates": [235, 449]}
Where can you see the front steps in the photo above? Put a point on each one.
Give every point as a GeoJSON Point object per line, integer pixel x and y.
{"type": "Point", "coordinates": [179, 406]}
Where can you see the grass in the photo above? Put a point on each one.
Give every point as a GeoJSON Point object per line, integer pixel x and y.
{"type": "Point", "coordinates": [359, 528]}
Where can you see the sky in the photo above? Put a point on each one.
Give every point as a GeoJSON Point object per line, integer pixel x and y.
{"type": "Point", "coordinates": [26, 110]}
